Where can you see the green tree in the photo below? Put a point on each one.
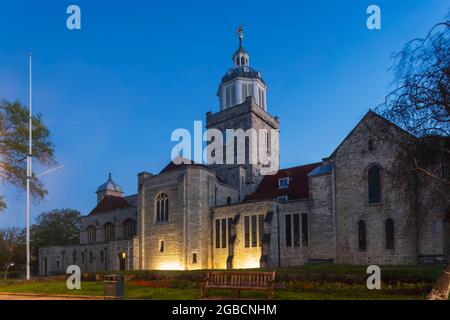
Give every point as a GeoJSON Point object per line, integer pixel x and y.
{"type": "Point", "coordinates": [12, 249]}
{"type": "Point", "coordinates": [54, 228]}
{"type": "Point", "coordinates": [14, 136]}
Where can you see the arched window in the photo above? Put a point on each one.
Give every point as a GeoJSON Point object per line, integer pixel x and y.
{"type": "Point", "coordinates": [91, 234]}
{"type": "Point", "coordinates": [108, 229]}
{"type": "Point", "coordinates": [82, 257]}
{"type": "Point", "coordinates": [102, 257]}
{"type": "Point", "coordinates": [370, 145]}
{"type": "Point", "coordinates": [91, 257]}
{"type": "Point", "coordinates": [374, 181]}
{"type": "Point", "coordinates": [362, 236]}
{"type": "Point", "coordinates": [390, 234]}
{"type": "Point", "coordinates": [74, 256]}
{"type": "Point", "coordinates": [229, 200]}
{"type": "Point", "coordinates": [129, 228]}
{"type": "Point", "coordinates": [242, 61]}
{"type": "Point", "coordinates": [162, 208]}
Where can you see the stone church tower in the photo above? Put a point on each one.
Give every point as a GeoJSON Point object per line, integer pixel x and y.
{"type": "Point", "coordinates": [243, 106]}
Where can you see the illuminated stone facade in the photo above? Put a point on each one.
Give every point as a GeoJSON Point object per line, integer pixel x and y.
{"type": "Point", "coordinates": [233, 217]}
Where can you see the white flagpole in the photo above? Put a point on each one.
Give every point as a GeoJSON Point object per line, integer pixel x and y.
{"type": "Point", "coordinates": [29, 172]}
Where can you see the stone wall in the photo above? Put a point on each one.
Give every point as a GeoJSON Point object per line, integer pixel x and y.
{"type": "Point", "coordinates": [244, 116]}
{"type": "Point", "coordinates": [431, 216]}
{"type": "Point", "coordinates": [128, 247]}
{"type": "Point", "coordinates": [192, 192]}
{"type": "Point", "coordinates": [116, 217]}
{"type": "Point", "coordinates": [322, 218]}
{"type": "Point", "coordinates": [400, 200]}
{"type": "Point", "coordinates": [96, 257]}
{"type": "Point", "coordinates": [236, 253]}
{"type": "Point", "coordinates": [294, 255]}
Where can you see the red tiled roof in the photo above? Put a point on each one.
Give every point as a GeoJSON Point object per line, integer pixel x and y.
{"type": "Point", "coordinates": [298, 186]}
{"type": "Point", "coordinates": [110, 203]}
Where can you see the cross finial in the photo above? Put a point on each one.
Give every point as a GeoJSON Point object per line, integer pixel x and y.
{"type": "Point", "coordinates": [240, 31]}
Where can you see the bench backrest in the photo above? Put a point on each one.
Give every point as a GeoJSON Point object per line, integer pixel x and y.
{"type": "Point", "coordinates": [240, 279]}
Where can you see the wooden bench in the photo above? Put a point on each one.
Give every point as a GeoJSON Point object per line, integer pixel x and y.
{"type": "Point", "coordinates": [237, 281]}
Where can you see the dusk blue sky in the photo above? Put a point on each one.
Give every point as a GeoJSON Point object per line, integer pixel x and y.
{"type": "Point", "coordinates": [112, 93]}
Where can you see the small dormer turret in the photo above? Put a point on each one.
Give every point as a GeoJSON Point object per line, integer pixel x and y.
{"type": "Point", "coordinates": [109, 188]}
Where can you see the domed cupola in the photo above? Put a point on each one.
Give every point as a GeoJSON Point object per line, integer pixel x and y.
{"type": "Point", "coordinates": [109, 188]}
{"type": "Point", "coordinates": [241, 81]}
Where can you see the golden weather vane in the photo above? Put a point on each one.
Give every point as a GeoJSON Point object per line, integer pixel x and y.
{"type": "Point", "coordinates": [240, 32]}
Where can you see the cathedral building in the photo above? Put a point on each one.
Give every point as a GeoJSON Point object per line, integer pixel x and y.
{"type": "Point", "coordinates": [347, 208]}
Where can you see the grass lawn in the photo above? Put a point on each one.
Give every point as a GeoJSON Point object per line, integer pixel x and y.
{"type": "Point", "coordinates": [92, 288]}
{"type": "Point", "coordinates": [333, 291]}
{"type": "Point", "coordinates": [405, 283]}
{"type": "Point", "coordinates": [425, 273]}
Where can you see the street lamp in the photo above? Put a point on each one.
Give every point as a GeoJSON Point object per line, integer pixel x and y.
{"type": "Point", "coordinates": [7, 267]}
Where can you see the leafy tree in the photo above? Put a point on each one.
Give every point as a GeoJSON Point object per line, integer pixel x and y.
{"type": "Point", "coordinates": [14, 136]}
{"type": "Point", "coordinates": [12, 249]}
{"type": "Point", "coordinates": [54, 228]}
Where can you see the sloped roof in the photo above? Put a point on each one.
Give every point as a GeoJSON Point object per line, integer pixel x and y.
{"type": "Point", "coordinates": [321, 170]}
{"type": "Point", "coordinates": [172, 166]}
{"type": "Point", "coordinates": [370, 113]}
{"type": "Point", "coordinates": [132, 200]}
{"type": "Point", "coordinates": [242, 72]}
{"type": "Point", "coordinates": [298, 186]}
{"type": "Point", "coordinates": [110, 185]}
{"type": "Point", "coordinates": [110, 203]}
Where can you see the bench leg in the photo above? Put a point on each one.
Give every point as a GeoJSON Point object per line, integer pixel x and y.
{"type": "Point", "coordinates": [202, 292]}
{"type": "Point", "coordinates": [270, 294]}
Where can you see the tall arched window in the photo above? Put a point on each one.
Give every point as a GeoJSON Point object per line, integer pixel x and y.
{"type": "Point", "coordinates": [370, 145]}
{"type": "Point", "coordinates": [374, 181]}
{"type": "Point", "coordinates": [91, 234]}
{"type": "Point", "coordinates": [129, 228]}
{"type": "Point", "coordinates": [162, 208]}
{"type": "Point", "coordinates": [108, 229]}
{"type": "Point", "coordinates": [74, 256]}
{"type": "Point", "coordinates": [362, 236]}
{"type": "Point", "coordinates": [390, 234]}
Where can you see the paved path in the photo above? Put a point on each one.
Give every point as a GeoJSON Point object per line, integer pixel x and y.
{"type": "Point", "coordinates": [19, 296]}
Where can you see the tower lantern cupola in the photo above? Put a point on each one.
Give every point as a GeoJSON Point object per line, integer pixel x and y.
{"type": "Point", "coordinates": [241, 81]}
{"type": "Point", "coordinates": [241, 57]}
{"type": "Point", "coordinates": [109, 188]}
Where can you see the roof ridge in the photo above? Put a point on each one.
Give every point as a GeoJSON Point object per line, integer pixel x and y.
{"type": "Point", "coordinates": [302, 166]}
